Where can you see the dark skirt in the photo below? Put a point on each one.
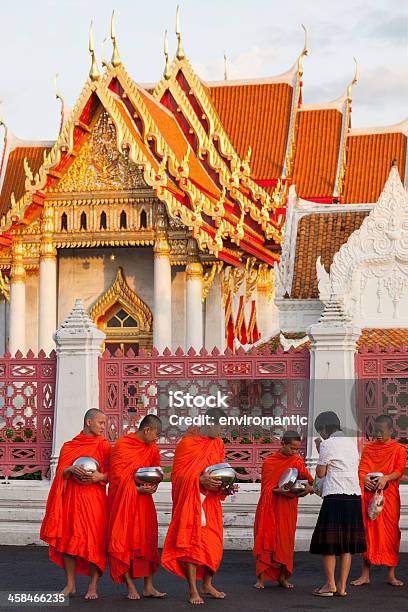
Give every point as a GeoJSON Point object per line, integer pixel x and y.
{"type": "Point", "coordinates": [340, 527]}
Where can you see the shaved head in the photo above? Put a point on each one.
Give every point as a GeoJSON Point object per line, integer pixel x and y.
{"type": "Point", "coordinates": [152, 421]}
{"type": "Point", "coordinates": [92, 413]}
{"type": "Point", "coordinates": [387, 420]}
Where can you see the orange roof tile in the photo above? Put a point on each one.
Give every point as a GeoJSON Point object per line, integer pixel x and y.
{"type": "Point", "coordinates": [256, 115]}
{"type": "Point", "coordinates": [171, 132]}
{"type": "Point", "coordinates": [317, 142]}
{"type": "Point", "coordinates": [14, 179]}
{"type": "Point", "coordinates": [320, 234]}
{"type": "Point", "coordinates": [383, 338]}
{"type": "Point", "coordinates": [369, 158]}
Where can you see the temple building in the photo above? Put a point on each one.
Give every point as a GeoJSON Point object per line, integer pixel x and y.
{"type": "Point", "coordinates": [167, 210]}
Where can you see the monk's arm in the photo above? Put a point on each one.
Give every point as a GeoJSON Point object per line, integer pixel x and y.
{"type": "Point", "coordinates": [381, 482]}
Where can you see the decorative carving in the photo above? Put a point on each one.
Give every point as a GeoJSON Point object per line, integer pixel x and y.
{"type": "Point", "coordinates": [323, 280]}
{"type": "Point", "coordinates": [5, 286]}
{"type": "Point", "coordinates": [381, 239]}
{"type": "Point", "coordinates": [99, 165]}
{"type": "Point", "coordinates": [209, 276]}
{"type": "Point", "coordinates": [122, 295]}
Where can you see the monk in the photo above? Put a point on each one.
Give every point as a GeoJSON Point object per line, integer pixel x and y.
{"type": "Point", "coordinates": [133, 528]}
{"type": "Point", "coordinates": [383, 534]}
{"type": "Point", "coordinates": [276, 514]}
{"type": "Point", "coordinates": [75, 518]}
{"type": "Point", "coordinates": [194, 542]}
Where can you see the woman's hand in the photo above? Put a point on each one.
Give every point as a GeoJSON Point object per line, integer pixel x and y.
{"type": "Point", "coordinates": [369, 484]}
{"type": "Point", "coordinates": [318, 442]}
{"type": "Point", "coordinates": [147, 488]}
{"type": "Point", "coordinates": [211, 483]}
{"type": "Point", "coordinates": [381, 483]}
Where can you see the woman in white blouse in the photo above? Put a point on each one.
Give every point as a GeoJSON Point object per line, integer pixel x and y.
{"type": "Point", "coordinates": [340, 528]}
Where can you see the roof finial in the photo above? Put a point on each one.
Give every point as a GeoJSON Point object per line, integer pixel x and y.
{"type": "Point", "coordinates": [305, 51]}
{"type": "Point", "coordinates": [4, 126]}
{"type": "Point", "coordinates": [225, 67]}
{"type": "Point", "coordinates": [103, 57]}
{"type": "Point", "coordinates": [59, 97]}
{"type": "Point", "coordinates": [167, 73]}
{"type": "Point", "coordinates": [180, 51]}
{"type": "Point", "coordinates": [94, 71]}
{"type": "Point", "coordinates": [353, 82]}
{"type": "Point", "coordinates": [115, 61]}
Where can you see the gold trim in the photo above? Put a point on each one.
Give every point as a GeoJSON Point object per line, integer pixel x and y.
{"type": "Point", "coordinates": [121, 294]}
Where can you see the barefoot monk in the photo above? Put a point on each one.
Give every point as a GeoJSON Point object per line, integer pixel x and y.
{"type": "Point", "coordinates": [276, 514]}
{"type": "Point", "coordinates": [383, 534]}
{"type": "Point", "coordinates": [133, 529]}
{"type": "Point", "coordinates": [75, 519]}
{"type": "Point", "coordinates": [194, 542]}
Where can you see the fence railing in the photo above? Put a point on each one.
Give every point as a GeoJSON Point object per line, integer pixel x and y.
{"type": "Point", "coordinates": [27, 396]}
{"type": "Point", "coordinates": [266, 384]}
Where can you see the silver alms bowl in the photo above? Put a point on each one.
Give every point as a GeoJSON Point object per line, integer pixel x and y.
{"type": "Point", "coordinates": [299, 486]}
{"type": "Point", "coordinates": [89, 464]}
{"type": "Point", "coordinates": [288, 478]}
{"type": "Point", "coordinates": [152, 475]}
{"type": "Point", "coordinates": [375, 475]}
{"type": "Point", "coordinates": [224, 472]}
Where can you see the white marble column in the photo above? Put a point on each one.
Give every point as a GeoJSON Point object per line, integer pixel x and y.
{"type": "Point", "coordinates": [47, 307]}
{"type": "Point", "coordinates": [79, 343]}
{"type": "Point", "coordinates": [47, 312]}
{"type": "Point", "coordinates": [332, 372]}
{"type": "Point", "coordinates": [162, 286]}
{"type": "Point", "coordinates": [17, 341]}
{"type": "Point", "coordinates": [194, 306]}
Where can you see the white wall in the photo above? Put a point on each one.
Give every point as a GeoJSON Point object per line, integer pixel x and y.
{"type": "Point", "coordinates": [88, 273]}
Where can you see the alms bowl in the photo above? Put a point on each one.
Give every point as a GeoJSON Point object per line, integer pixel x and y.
{"type": "Point", "coordinates": [224, 472]}
{"type": "Point", "coordinates": [288, 478]}
{"type": "Point", "coordinates": [89, 464]}
{"type": "Point", "coordinates": [151, 475]}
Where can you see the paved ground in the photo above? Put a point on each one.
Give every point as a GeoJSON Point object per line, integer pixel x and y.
{"type": "Point", "coordinates": [28, 568]}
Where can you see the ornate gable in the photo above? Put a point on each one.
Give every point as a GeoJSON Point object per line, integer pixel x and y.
{"type": "Point", "coordinates": [100, 166]}
{"type": "Point", "coordinates": [370, 271]}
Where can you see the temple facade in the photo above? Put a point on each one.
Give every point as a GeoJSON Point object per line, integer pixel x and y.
{"type": "Point", "coordinates": [166, 209]}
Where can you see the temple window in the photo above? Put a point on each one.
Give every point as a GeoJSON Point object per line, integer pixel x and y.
{"type": "Point", "coordinates": [143, 219]}
{"type": "Point", "coordinates": [82, 225]}
{"type": "Point", "coordinates": [102, 222]}
{"type": "Point", "coordinates": [123, 220]}
{"type": "Point", "coordinates": [64, 222]}
{"type": "Point", "coordinates": [121, 319]}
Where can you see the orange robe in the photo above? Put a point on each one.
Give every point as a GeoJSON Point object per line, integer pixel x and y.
{"type": "Point", "coordinates": [76, 514]}
{"type": "Point", "coordinates": [133, 529]}
{"type": "Point", "coordinates": [275, 518]}
{"type": "Point", "coordinates": [188, 540]}
{"type": "Point", "coordinates": [383, 535]}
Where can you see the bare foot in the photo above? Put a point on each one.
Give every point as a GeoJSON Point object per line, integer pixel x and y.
{"type": "Point", "coordinates": [91, 593]}
{"type": "Point", "coordinates": [285, 584]}
{"type": "Point", "coordinates": [395, 582]}
{"type": "Point", "coordinates": [132, 592]}
{"type": "Point", "coordinates": [210, 590]}
{"type": "Point", "coordinates": [360, 581]}
{"type": "Point", "coordinates": [195, 599]}
{"type": "Point", "coordinates": [69, 590]}
{"type": "Point", "coordinates": [152, 592]}
{"type": "Point", "coordinates": [259, 585]}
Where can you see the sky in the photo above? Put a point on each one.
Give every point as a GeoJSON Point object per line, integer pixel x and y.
{"type": "Point", "coordinates": [40, 38]}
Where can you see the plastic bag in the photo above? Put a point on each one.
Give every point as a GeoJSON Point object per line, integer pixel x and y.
{"type": "Point", "coordinates": [375, 506]}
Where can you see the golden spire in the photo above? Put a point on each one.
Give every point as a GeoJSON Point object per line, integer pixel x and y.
{"type": "Point", "coordinates": [305, 51]}
{"type": "Point", "coordinates": [167, 73]}
{"type": "Point", "coordinates": [180, 51]}
{"type": "Point", "coordinates": [94, 71]}
{"type": "Point", "coordinates": [115, 61]}
{"type": "Point", "coordinates": [103, 57]}
{"type": "Point", "coordinates": [225, 67]}
{"type": "Point", "coordinates": [353, 82]}
{"type": "Point", "coordinates": [59, 97]}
